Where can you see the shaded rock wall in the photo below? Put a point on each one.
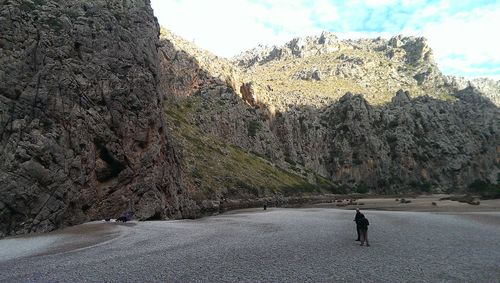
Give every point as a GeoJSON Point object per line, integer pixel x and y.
{"type": "Point", "coordinates": [421, 144]}
{"type": "Point", "coordinates": [187, 69]}
{"type": "Point", "coordinates": [82, 132]}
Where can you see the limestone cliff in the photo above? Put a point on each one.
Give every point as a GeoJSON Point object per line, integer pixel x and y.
{"type": "Point", "coordinates": [408, 128]}
{"type": "Point", "coordinates": [82, 127]}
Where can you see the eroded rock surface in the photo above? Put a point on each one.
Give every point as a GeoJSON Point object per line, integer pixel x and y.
{"type": "Point", "coordinates": [81, 119]}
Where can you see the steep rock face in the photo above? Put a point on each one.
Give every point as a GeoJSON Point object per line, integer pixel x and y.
{"type": "Point", "coordinates": [420, 143]}
{"type": "Point", "coordinates": [408, 130]}
{"type": "Point", "coordinates": [81, 119]}
{"type": "Point", "coordinates": [185, 69]}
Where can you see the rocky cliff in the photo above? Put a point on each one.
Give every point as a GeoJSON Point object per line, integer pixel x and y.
{"type": "Point", "coordinates": [420, 144]}
{"type": "Point", "coordinates": [82, 127]}
{"type": "Point", "coordinates": [215, 117]}
{"type": "Point", "coordinates": [368, 115]}
{"type": "Point", "coordinates": [486, 87]}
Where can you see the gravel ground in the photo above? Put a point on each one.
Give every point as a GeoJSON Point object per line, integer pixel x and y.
{"type": "Point", "coordinates": [278, 245]}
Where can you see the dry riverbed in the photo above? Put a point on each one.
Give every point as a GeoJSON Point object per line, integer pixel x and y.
{"type": "Point", "coordinates": [450, 242]}
{"type": "Point", "coordinates": [427, 203]}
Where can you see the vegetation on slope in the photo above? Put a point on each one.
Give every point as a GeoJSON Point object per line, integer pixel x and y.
{"type": "Point", "coordinates": [221, 170]}
{"type": "Point", "coordinates": [347, 70]}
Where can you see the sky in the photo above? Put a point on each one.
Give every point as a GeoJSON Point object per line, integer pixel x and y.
{"type": "Point", "coordinates": [464, 34]}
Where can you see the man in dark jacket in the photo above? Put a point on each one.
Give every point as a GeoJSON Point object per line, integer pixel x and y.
{"type": "Point", "coordinates": [363, 229]}
{"type": "Point", "coordinates": [356, 219]}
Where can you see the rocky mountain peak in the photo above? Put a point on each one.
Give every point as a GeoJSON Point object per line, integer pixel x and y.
{"type": "Point", "coordinates": [316, 70]}
{"type": "Point", "coordinates": [408, 49]}
{"type": "Point", "coordinates": [416, 49]}
{"type": "Point", "coordinates": [299, 47]}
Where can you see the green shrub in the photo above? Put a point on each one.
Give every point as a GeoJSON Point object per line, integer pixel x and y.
{"type": "Point", "coordinates": [27, 6]}
{"type": "Point", "coordinates": [54, 23]}
{"type": "Point", "coordinates": [425, 187]}
{"type": "Point", "coordinates": [289, 160]}
{"type": "Point", "coordinates": [253, 127]}
{"type": "Point", "coordinates": [248, 188]}
{"type": "Point", "coordinates": [72, 14]}
{"type": "Point", "coordinates": [391, 139]}
{"type": "Point", "coordinates": [485, 189]}
{"type": "Point", "coordinates": [362, 189]}
{"type": "Point", "coordinates": [340, 189]}
{"type": "Point", "coordinates": [300, 189]}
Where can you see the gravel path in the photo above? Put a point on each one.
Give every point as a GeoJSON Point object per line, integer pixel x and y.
{"type": "Point", "coordinates": [278, 245]}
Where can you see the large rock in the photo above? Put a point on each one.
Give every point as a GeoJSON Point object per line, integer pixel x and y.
{"type": "Point", "coordinates": [81, 120]}
{"type": "Point", "coordinates": [416, 49]}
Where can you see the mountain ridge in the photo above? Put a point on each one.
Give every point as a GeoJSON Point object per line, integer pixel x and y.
{"type": "Point", "coordinates": [284, 89]}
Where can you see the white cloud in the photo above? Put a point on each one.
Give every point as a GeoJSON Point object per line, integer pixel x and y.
{"type": "Point", "coordinates": [439, 9]}
{"type": "Point", "coordinates": [361, 34]}
{"type": "Point", "coordinates": [470, 38]}
{"type": "Point", "coordinates": [417, 3]}
{"type": "Point", "coordinates": [325, 11]}
{"type": "Point", "coordinates": [378, 3]}
{"type": "Point", "coordinates": [228, 27]}
{"type": "Point", "coordinates": [461, 42]}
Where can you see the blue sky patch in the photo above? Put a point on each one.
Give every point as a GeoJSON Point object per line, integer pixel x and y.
{"type": "Point", "coordinates": [462, 34]}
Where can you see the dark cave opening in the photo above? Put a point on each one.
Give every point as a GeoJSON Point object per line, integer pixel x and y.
{"type": "Point", "coordinates": [113, 168]}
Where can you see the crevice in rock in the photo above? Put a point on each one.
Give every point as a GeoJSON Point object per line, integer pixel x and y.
{"type": "Point", "coordinates": [113, 166]}
{"type": "Point", "coordinates": [157, 216]}
{"type": "Point", "coordinates": [85, 207]}
{"type": "Point", "coordinates": [77, 46]}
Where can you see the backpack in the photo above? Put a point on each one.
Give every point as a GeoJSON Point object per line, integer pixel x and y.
{"type": "Point", "coordinates": [363, 223]}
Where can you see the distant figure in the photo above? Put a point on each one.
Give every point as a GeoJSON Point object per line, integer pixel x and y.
{"type": "Point", "coordinates": [222, 202]}
{"type": "Point", "coordinates": [265, 206]}
{"type": "Point", "coordinates": [363, 229]}
{"type": "Point", "coordinates": [122, 219]}
{"type": "Point", "coordinates": [356, 219]}
{"type": "Point", "coordinates": [127, 216]}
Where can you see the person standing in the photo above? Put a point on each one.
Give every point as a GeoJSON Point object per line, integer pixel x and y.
{"type": "Point", "coordinates": [356, 219]}
{"type": "Point", "coordinates": [363, 229]}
